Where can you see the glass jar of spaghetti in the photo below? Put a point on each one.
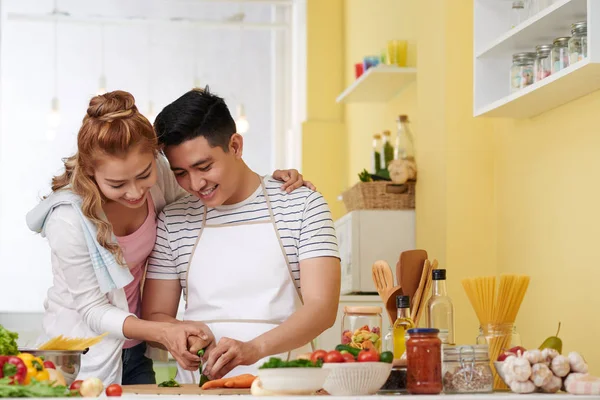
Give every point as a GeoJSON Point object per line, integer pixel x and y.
{"type": "Point", "coordinates": [424, 361]}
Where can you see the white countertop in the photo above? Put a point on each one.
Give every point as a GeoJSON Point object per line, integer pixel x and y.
{"type": "Point", "coordinates": [493, 396]}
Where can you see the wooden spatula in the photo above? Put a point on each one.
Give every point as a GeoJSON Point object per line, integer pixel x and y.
{"type": "Point", "coordinates": [390, 302]}
{"type": "Point", "coordinates": [427, 291]}
{"type": "Point", "coordinates": [409, 270]}
{"type": "Point", "coordinates": [416, 301]}
{"type": "Point", "coordinates": [382, 277]}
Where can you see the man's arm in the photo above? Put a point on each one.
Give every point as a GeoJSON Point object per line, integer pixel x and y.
{"type": "Point", "coordinates": [320, 279]}
{"type": "Point", "coordinates": [161, 300]}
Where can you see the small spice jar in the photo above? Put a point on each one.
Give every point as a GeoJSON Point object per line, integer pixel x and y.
{"type": "Point", "coordinates": [424, 361]}
{"type": "Point", "coordinates": [542, 66]}
{"type": "Point", "coordinates": [560, 54]}
{"type": "Point", "coordinates": [466, 369]}
{"type": "Point", "coordinates": [521, 71]}
{"type": "Point", "coordinates": [361, 326]}
{"type": "Point", "coordinates": [578, 42]}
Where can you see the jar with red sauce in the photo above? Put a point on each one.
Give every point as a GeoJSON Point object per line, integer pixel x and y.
{"type": "Point", "coordinates": [424, 361]}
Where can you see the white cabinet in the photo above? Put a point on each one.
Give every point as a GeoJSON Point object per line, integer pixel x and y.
{"type": "Point", "coordinates": [365, 236]}
{"type": "Point", "coordinates": [333, 336]}
{"type": "Point", "coordinates": [494, 43]}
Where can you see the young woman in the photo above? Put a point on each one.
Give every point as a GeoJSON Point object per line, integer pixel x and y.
{"type": "Point", "coordinates": [100, 222]}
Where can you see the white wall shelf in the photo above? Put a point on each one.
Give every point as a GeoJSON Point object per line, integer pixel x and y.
{"type": "Point", "coordinates": [378, 84]}
{"type": "Point", "coordinates": [495, 43]}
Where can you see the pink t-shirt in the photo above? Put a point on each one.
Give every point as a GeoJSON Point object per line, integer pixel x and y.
{"type": "Point", "coordinates": [136, 247]}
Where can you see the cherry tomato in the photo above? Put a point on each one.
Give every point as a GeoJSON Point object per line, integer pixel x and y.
{"type": "Point", "coordinates": [334, 356]}
{"type": "Point", "coordinates": [49, 364]}
{"type": "Point", "coordinates": [368, 356]}
{"type": "Point", "coordinates": [319, 354]}
{"type": "Point", "coordinates": [348, 357]}
{"type": "Point", "coordinates": [76, 385]}
{"type": "Point", "coordinates": [114, 390]}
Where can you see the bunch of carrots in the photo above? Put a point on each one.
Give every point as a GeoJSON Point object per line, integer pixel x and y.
{"type": "Point", "coordinates": [243, 381]}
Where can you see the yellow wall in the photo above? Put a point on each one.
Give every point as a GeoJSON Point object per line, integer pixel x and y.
{"type": "Point", "coordinates": [324, 140]}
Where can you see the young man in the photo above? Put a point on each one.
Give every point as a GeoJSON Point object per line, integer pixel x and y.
{"type": "Point", "coordinates": [258, 265]}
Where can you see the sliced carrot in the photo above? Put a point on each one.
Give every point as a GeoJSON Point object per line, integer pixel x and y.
{"type": "Point", "coordinates": [240, 382]}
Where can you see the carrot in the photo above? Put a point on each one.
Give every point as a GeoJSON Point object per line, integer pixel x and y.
{"type": "Point", "coordinates": [216, 384]}
{"type": "Point", "coordinates": [240, 382]}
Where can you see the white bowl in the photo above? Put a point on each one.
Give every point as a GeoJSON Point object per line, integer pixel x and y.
{"type": "Point", "coordinates": [358, 378]}
{"type": "Point", "coordinates": [293, 381]}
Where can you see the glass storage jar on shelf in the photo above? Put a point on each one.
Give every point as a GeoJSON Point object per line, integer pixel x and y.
{"type": "Point", "coordinates": [542, 66]}
{"type": "Point", "coordinates": [578, 42]}
{"type": "Point", "coordinates": [466, 369]}
{"type": "Point", "coordinates": [361, 327]}
{"type": "Point", "coordinates": [560, 54]}
{"type": "Point", "coordinates": [424, 361]}
{"type": "Point", "coordinates": [521, 71]}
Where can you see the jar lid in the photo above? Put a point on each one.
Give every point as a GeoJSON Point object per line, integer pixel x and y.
{"type": "Point", "coordinates": [524, 56]}
{"type": "Point", "coordinates": [416, 331]}
{"type": "Point", "coordinates": [403, 118]}
{"type": "Point", "coordinates": [562, 40]}
{"type": "Point", "coordinates": [543, 48]}
{"type": "Point", "coordinates": [387, 133]}
{"type": "Point", "coordinates": [579, 27]}
{"type": "Point", "coordinates": [362, 310]}
{"type": "Point", "coordinates": [461, 353]}
{"type": "Point", "coordinates": [377, 136]}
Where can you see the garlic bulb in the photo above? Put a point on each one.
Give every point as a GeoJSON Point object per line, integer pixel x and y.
{"type": "Point", "coordinates": [522, 387]}
{"type": "Point", "coordinates": [540, 374]}
{"type": "Point", "coordinates": [553, 385]}
{"type": "Point", "coordinates": [560, 366]}
{"type": "Point", "coordinates": [549, 354]}
{"type": "Point", "coordinates": [573, 377]}
{"type": "Point", "coordinates": [517, 369]}
{"type": "Point", "coordinates": [577, 363]}
{"type": "Point", "coordinates": [399, 172]}
{"type": "Point", "coordinates": [533, 356]}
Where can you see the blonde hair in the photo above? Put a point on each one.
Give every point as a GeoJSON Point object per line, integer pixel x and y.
{"type": "Point", "coordinates": [112, 126]}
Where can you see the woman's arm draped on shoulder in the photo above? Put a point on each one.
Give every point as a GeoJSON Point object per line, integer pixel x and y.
{"type": "Point", "coordinates": [67, 243]}
{"type": "Point", "coordinates": [167, 182]}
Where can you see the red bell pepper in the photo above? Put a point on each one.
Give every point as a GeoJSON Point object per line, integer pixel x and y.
{"type": "Point", "coordinates": [13, 367]}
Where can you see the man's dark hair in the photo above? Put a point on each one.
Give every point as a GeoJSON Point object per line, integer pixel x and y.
{"type": "Point", "coordinates": [196, 113]}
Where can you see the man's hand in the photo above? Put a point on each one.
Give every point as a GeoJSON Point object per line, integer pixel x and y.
{"type": "Point", "coordinates": [228, 354]}
{"type": "Point", "coordinates": [196, 343]}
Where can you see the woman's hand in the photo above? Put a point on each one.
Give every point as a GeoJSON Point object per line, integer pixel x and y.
{"type": "Point", "coordinates": [293, 180]}
{"type": "Point", "coordinates": [228, 354]}
{"type": "Point", "coordinates": [175, 338]}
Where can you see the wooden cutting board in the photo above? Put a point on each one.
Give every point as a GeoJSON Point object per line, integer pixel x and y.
{"type": "Point", "coordinates": [184, 389]}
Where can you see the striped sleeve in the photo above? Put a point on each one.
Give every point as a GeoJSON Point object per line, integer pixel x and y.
{"type": "Point", "coordinates": [317, 233]}
{"type": "Point", "coordinates": [161, 263]}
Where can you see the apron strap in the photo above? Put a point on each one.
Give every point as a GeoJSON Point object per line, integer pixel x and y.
{"type": "Point", "coordinates": [189, 264]}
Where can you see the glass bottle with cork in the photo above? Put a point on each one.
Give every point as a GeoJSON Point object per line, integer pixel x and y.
{"type": "Point", "coordinates": [376, 154]}
{"type": "Point", "coordinates": [401, 326]}
{"type": "Point", "coordinates": [440, 310]}
{"type": "Point", "coordinates": [404, 148]}
{"type": "Point", "coordinates": [388, 149]}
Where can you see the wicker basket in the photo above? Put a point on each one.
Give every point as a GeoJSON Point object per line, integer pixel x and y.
{"type": "Point", "coordinates": [380, 196]}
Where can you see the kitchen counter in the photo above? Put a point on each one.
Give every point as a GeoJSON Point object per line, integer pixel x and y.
{"type": "Point", "coordinates": [494, 396]}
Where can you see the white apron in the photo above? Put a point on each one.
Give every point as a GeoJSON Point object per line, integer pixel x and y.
{"type": "Point", "coordinates": [239, 282]}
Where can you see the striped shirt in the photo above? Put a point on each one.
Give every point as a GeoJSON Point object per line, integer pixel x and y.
{"type": "Point", "coordinates": [302, 218]}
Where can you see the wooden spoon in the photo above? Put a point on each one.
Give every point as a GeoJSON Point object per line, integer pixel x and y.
{"type": "Point", "coordinates": [390, 302]}
{"type": "Point", "coordinates": [409, 270]}
{"type": "Point", "coordinates": [416, 301]}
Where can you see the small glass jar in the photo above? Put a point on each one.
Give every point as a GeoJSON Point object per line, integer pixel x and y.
{"type": "Point", "coordinates": [424, 361]}
{"type": "Point", "coordinates": [560, 54]}
{"type": "Point", "coordinates": [388, 340]}
{"type": "Point", "coordinates": [578, 42]}
{"type": "Point", "coordinates": [499, 338]}
{"type": "Point", "coordinates": [361, 327]}
{"type": "Point", "coordinates": [542, 66]}
{"type": "Point", "coordinates": [521, 71]}
{"type": "Point", "coordinates": [466, 369]}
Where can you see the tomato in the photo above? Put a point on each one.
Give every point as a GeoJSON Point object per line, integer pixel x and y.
{"type": "Point", "coordinates": [76, 385]}
{"type": "Point", "coordinates": [348, 357]}
{"type": "Point", "coordinates": [368, 356]}
{"type": "Point", "coordinates": [319, 354]}
{"type": "Point", "coordinates": [386, 357]}
{"type": "Point", "coordinates": [334, 356]}
{"type": "Point", "coordinates": [114, 390]}
{"type": "Point", "coordinates": [49, 364]}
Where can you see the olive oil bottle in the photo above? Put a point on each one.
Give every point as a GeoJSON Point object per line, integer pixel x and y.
{"type": "Point", "coordinates": [402, 325]}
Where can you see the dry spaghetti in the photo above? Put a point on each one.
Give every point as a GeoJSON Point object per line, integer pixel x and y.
{"type": "Point", "coordinates": [62, 343]}
{"type": "Point", "coordinates": [496, 310]}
